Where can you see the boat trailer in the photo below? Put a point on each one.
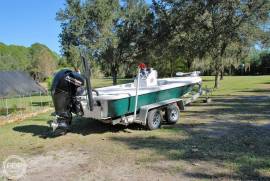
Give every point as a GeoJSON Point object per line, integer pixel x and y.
{"type": "Point", "coordinates": [148, 101]}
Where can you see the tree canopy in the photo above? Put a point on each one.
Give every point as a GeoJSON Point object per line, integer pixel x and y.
{"type": "Point", "coordinates": [167, 34]}
{"type": "Point", "coordinates": [38, 60]}
{"type": "Point", "coordinates": [208, 28]}
{"type": "Point", "coordinates": [114, 35]}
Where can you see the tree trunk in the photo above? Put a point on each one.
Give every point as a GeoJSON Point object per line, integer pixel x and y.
{"type": "Point", "coordinates": [171, 67]}
{"type": "Point", "coordinates": [221, 74]}
{"type": "Point", "coordinates": [216, 80]}
{"type": "Point", "coordinates": [220, 65]}
{"type": "Point", "coordinates": [217, 71]}
{"type": "Point", "coordinates": [189, 64]}
{"type": "Point", "coordinates": [114, 75]}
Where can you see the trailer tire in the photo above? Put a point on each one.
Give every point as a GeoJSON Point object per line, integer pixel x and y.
{"type": "Point", "coordinates": [154, 119]}
{"type": "Point", "coordinates": [172, 114]}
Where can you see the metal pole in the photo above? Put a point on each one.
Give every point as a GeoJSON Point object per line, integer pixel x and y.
{"type": "Point", "coordinates": [41, 103]}
{"type": "Point", "coordinates": [49, 99]}
{"type": "Point", "coordinates": [23, 102]}
{"type": "Point", "coordinates": [31, 102]}
{"type": "Point", "coordinates": [6, 106]}
{"type": "Point", "coordinates": [21, 105]}
{"type": "Point", "coordinates": [137, 90]}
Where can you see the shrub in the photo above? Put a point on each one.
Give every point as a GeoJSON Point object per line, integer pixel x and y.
{"type": "Point", "coordinates": [49, 83]}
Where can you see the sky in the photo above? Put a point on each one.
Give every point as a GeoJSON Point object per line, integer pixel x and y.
{"type": "Point", "coordinates": [24, 22]}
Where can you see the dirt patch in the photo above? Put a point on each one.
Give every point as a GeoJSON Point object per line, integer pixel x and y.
{"type": "Point", "coordinates": [60, 165]}
{"type": "Point", "coordinates": [77, 165]}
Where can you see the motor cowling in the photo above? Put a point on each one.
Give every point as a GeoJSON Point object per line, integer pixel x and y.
{"type": "Point", "coordinates": [64, 88]}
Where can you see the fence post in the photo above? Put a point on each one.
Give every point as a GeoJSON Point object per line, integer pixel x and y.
{"type": "Point", "coordinates": [31, 102]}
{"type": "Point", "coordinates": [21, 101]}
{"type": "Point", "coordinates": [23, 106]}
{"type": "Point", "coordinates": [41, 103]}
{"type": "Point", "coordinates": [49, 99]}
{"type": "Point", "coordinates": [6, 106]}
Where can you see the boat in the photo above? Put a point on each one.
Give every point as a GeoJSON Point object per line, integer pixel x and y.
{"type": "Point", "coordinates": [119, 100]}
{"type": "Point", "coordinates": [147, 100]}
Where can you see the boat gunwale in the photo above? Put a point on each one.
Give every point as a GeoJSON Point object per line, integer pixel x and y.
{"type": "Point", "coordinates": [109, 97]}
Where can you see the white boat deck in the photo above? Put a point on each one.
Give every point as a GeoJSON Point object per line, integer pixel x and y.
{"type": "Point", "coordinates": [127, 90]}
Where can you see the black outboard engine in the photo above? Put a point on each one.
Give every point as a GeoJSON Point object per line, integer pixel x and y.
{"type": "Point", "coordinates": [65, 85]}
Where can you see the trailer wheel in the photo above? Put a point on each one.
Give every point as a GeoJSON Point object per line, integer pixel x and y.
{"type": "Point", "coordinates": [172, 114]}
{"type": "Point", "coordinates": [154, 119]}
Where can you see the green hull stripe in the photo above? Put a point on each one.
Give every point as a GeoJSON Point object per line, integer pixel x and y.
{"type": "Point", "coordinates": [126, 105]}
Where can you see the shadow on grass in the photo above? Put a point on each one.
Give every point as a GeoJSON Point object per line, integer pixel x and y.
{"type": "Point", "coordinates": [224, 140]}
{"type": "Point", "coordinates": [81, 126]}
{"type": "Point", "coordinates": [86, 126]}
{"type": "Point", "coordinates": [245, 145]}
{"type": "Point", "coordinates": [258, 90]}
{"type": "Point", "coordinates": [208, 80]}
{"type": "Point", "coordinates": [245, 108]}
{"type": "Point", "coordinates": [36, 130]}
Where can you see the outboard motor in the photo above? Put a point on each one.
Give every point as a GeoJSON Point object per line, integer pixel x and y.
{"type": "Point", "coordinates": [65, 86]}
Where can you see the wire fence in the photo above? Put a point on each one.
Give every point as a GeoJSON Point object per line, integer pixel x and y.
{"type": "Point", "coordinates": [26, 103]}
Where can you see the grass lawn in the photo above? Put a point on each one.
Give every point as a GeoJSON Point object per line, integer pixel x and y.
{"type": "Point", "coordinates": [108, 82]}
{"type": "Point", "coordinates": [227, 139]}
{"type": "Point", "coordinates": [239, 85]}
{"type": "Point", "coordinates": [23, 104]}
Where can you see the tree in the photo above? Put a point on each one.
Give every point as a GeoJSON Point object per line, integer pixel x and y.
{"type": "Point", "coordinates": [44, 61]}
{"type": "Point", "coordinates": [265, 62]}
{"type": "Point", "coordinates": [38, 59]}
{"type": "Point", "coordinates": [201, 28]}
{"type": "Point", "coordinates": [89, 24]}
{"type": "Point", "coordinates": [134, 32]}
{"type": "Point", "coordinates": [234, 55]}
{"type": "Point", "coordinates": [229, 22]}
{"type": "Point", "coordinates": [172, 32]}
{"type": "Point", "coordinates": [14, 57]}
{"type": "Point", "coordinates": [112, 34]}
{"type": "Point", "coordinates": [179, 28]}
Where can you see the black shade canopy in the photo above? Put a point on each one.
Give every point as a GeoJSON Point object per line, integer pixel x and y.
{"type": "Point", "coordinates": [14, 83]}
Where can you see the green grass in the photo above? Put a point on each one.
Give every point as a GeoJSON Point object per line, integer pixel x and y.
{"type": "Point", "coordinates": [23, 104]}
{"type": "Point", "coordinates": [228, 138]}
{"type": "Point", "coordinates": [238, 85]}
{"type": "Point", "coordinates": [107, 82]}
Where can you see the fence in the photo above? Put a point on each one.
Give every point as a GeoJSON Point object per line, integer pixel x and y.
{"type": "Point", "coordinates": [24, 104]}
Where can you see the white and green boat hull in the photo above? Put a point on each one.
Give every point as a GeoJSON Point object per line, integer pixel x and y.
{"type": "Point", "coordinates": [124, 106]}
{"type": "Point", "coordinates": [118, 101]}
